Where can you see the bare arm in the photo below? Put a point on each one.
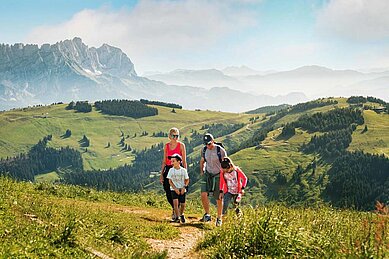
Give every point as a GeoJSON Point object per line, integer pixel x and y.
{"type": "Point", "coordinates": [163, 164]}
{"type": "Point", "coordinates": [173, 186]}
{"type": "Point", "coordinates": [202, 161]}
{"type": "Point", "coordinates": [183, 152]}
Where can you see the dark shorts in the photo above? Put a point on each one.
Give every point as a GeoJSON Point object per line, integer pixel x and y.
{"type": "Point", "coordinates": [166, 185]}
{"type": "Point", "coordinates": [181, 198]}
{"type": "Point", "coordinates": [210, 184]}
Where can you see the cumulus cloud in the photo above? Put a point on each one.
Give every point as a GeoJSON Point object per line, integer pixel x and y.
{"type": "Point", "coordinates": [152, 27]}
{"type": "Point", "coordinates": [365, 20]}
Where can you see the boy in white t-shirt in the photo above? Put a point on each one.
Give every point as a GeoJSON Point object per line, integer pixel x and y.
{"type": "Point", "coordinates": [178, 180]}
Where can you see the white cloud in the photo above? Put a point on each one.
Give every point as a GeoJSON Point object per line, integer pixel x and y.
{"type": "Point", "coordinates": [152, 28]}
{"type": "Point", "coordinates": [364, 20]}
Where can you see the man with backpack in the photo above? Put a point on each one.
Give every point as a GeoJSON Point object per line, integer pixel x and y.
{"type": "Point", "coordinates": [211, 156]}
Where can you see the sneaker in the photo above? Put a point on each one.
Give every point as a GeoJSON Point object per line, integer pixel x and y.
{"type": "Point", "coordinates": [182, 218]}
{"type": "Point", "coordinates": [218, 222]}
{"type": "Point", "coordinates": [206, 218]}
{"type": "Point", "coordinates": [238, 212]}
{"type": "Point", "coordinates": [176, 220]}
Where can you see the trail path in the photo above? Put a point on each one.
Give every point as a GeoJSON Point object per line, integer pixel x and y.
{"type": "Point", "coordinates": [181, 247]}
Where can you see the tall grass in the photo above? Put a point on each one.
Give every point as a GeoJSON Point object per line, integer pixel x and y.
{"type": "Point", "coordinates": [278, 231]}
{"type": "Point", "coordinates": [45, 220]}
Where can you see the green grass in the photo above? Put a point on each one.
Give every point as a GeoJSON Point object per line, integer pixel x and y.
{"type": "Point", "coordinates": [279, 232]}
{"type": "Point", "coordinates": [21, 129]}
{"type": "Point", "coordinates": [274, 154]}
{"type": "Point", "coordinates": [45, 220]}
{"type": "Point", "coordinates": [48, 177]}
{"type": "Point", "coordinates": [292, 117]}
{"type": "Point", "coordinates": [376, 139]}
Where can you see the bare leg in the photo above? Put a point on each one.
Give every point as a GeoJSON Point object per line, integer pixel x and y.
{"type": "Point", "coordinates": [182, 208]}
{"type": "Point", "coordinates": [219, 208]}
{"type": "Point", "coordinates": [176, 210]}
{"type": "Point", "coordinates": [205, 201]}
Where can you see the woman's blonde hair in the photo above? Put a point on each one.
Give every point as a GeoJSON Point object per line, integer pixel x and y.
{"type": "Point", "coordinates": [173, 130]}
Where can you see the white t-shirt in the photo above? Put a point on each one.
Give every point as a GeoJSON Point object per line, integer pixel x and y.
{"type": "Point", "coordinates": [178, 177]}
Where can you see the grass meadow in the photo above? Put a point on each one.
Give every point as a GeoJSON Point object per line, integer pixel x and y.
{"type": "Point", "coordinates": [40, 220]}
{"type": "Point", "coordinates": [21, 129]}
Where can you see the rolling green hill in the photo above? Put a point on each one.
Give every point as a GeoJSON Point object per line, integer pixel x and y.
{"type": "Point", "coordinates": [21, 129]}
{"type": "Point", "coordinates": [278, 167]}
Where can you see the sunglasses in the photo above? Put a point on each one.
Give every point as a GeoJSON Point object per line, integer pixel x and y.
{"type": "Point", "coordinates": [174, 135]}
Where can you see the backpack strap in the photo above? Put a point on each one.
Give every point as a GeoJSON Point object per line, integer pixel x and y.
{"type": "Point", "coordinates": [218, 151]}
{"type": "Point", "coordinates": [203, 153]}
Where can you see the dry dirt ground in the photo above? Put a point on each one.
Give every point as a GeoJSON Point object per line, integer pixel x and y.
{"type": "Point", "coordinates": [183, 246]}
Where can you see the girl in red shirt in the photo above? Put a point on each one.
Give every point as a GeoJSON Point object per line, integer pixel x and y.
{"type": "Point", "coordinates": [232, 184]}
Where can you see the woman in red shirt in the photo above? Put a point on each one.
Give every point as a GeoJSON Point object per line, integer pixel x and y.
{"type": "Point", "coordinates": [174, 146]}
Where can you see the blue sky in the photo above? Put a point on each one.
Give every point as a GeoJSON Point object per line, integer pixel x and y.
{"type": "Point", "coordinates": [162, 35]}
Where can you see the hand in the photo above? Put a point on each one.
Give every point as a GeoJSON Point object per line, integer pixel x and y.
{"type": "Point", "coordinates": [242, 192]}
{"type": "Point", "coordinates": [177, 191]}
{"type": "Point", "coordinates": [161, 179]}
{"type": "Point", "coordinates": [183, 191]}
{"type": "Point", "coordinates": [221, 195]}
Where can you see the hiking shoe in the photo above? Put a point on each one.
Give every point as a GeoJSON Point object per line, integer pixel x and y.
{"type": "Point", "coordinates": [176, 220]}
{"type": "Point", "coordinates": [182, 218]}
{"type": "Point", "coordinates": [218, 222]}
{"type": "Point", "coordinates": [206, 218]}
{"type": "Point", "coordinates": [238, 212]}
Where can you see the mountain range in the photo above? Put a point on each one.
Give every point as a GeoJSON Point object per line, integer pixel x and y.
{"type": "Point", "coordinates": [70, 70]}
{"type": "Point", "coordinates": [314, 81]}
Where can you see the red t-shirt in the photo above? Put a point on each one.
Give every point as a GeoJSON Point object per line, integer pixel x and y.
{"type": "Point", "coordinates": [170, 152]}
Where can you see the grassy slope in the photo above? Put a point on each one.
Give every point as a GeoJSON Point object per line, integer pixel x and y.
{"type": "Point", "coordinates": [277, 153]}
{"type": "Point", "coordinates": [376, 139]}
{"type": "Point", "coordinates": [285, 155]}
{"type": "Point", "coordinates": [21, 129]}
{"type": "Point", "coordinates": [44, 220]}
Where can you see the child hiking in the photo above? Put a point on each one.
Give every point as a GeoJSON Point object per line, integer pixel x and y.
{"type": "Point", "coordinates": [178, 180]}
{"type": "Point", "coordinates": [174, 146]}
{"type": "Point", "coordinates": [232, 184]}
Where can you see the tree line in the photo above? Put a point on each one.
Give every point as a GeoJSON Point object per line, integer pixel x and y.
{"type": "Point", "coordinates": [170, 105]}
{"type": "Point", "coordinates": [358, 180]}
{"type": "Point", "coordinates": [136, 176]}
{"type": "Point", "coordinates": [134, 109]}
{"type": "Point", "coordinates": [80, 106]}
{"type": "Point", "coordinates": [40, 159]}
{"type": "Point", "coordinates": [267, 126]}
{"type": "Point", "coordinates": [332, 120]}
